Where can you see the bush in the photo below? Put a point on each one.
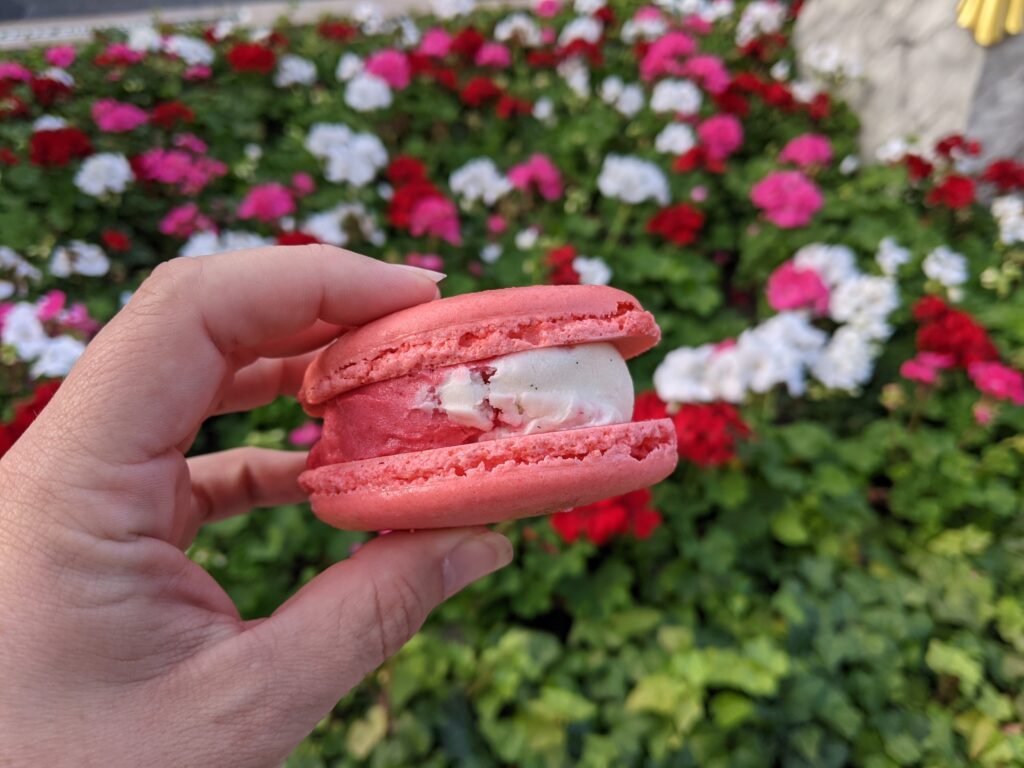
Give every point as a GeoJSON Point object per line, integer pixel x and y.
{"type": "Point", "coordinates": [833, 575]}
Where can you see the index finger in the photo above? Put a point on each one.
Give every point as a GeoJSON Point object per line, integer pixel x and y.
{"type": "Point", "coordinates": [150, 376]}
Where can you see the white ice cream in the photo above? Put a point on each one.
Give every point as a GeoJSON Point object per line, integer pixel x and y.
{"type": "Point", "coordinates": [541, 390]}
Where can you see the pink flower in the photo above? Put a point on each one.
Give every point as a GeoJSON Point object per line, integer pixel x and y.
{"type": "Point", "coordinates": [547, 8]}
{"type": "Point", "coordinates": [493, 55]}
{"type": "Point", "coordinates": [925, 368]}
{"type": "Point", "coordinates": [61, 56]}
{"type": "Point", "coordinates": [998, 381]}
{"type": "Point", "coordinates": [119, 54]}
{"type": "Point", "coordinates": [788, 198]}
{"type": "Point", "coordinates": [302, 184]}
{"type": "Point", "coordinates": [267, 202]}
{"type": "Point", "coordinates": [425, 261]}
{"type": "Point", "coordinates": [539, 171]}
{"type": "Point", "coordinates": [699, 193]}
{"type": "Point", "coordinates": [983, 413]}
{"type": "Point", "coordinates": [709, 70]}
{"type": "Point", "coordinates": [305, 435]}
{"type": "Point", "coordinates": [197, 72]}
{"type": "Point", "coordinates": [184, 221]}
{"type": "Point", "coordinates": [496, 224]}
{"type": "Point", "coordinates": [437, 217]}
{"type": "Point", "coordinates": [391, 66]}
{"type": "Point", "coordinates": [790, 287]}
{"type": "Point", "coordinates": [720, 135]}
{"type": "Point", "coordinates": [807, 150]}
{"type": "Point", "coordinates": [114, 116]}
{"type": "Point", "coordinates": [5, 310]}
{"type": "Point", "coordinates": [548, 36]}
{"type": "Point", "coordinates": [436, 42]}
{"type": "Point", "coordinates": [189, 173]}
{"type": "Point", "coordinates": [665, 54]}
{"type": "Point", "coordinates": [697, 25]}
{"type": "Point", "coordinates": [191, 142]}
{"type": "Point", "coordinates": [12, 70]}
{"type": "Point", "coordinates": [51, 305]}
{"type": "Point", "coordinates": [76, 318]}
{"type": "Point", "coordinates": [648, 13]}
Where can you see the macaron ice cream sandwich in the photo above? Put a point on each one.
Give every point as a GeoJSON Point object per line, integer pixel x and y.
{"type": "Point", "coordinates": [483, 407]}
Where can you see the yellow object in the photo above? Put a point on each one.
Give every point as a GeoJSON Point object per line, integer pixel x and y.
{"type": "Point", "coordinates": [991, 20]}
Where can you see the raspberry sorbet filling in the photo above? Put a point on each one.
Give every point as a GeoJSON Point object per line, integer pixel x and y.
{"type": "Point", "coordinates": [539, 390]}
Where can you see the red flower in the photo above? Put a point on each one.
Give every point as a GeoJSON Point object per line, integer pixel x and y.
{"type": "Point", "coordinates": [542, 59]}
{"type": "Point", "coordinates": [479, 91]}
{"type": "Point", "coordinates": [778, 95]}
{"type": "Point", "coordinates": [170, 113]}
{"type": "Point", "coordinates": [602, 520]}
{"type": "Point", "coordinates": [115, 240]}
{"type": "Point", "coordinates": [948, 331]}
{"type": "Point", "coordinates": [733, 101]}
{"type": "Point", "coordinates": [708, 433]}
{"type": "Point", "coordinates": [404, 200]}
{"type": "Point", "coordinates": [955, 191]}
{"type": "Point", "coordinates": [918, 168]}
{"type": "Point", "coordinates": [26, 413]}
{"type": "Point", "coordinates": [605, 15]}
{"type": "Point", "coordinates": [957, 144]}
{"type": "Point", "coordinates": [7, 157]}
{"type": "Point", "coordinates": [648, 406]}
{"type": "Point", "coordinates": [1006, 174]}
{"type": "Point", "coordinates": [747, 82]}
{"type": "Point", "coordinates": [590, 51]}
{"type": "Point", "coordinates": [560, 263]}
{"type": "Point", "coordinates": [47, 91]}
{"type": "Point", "coordinates": [467, 43]}
{"type": "Point", "coordinates": [295, 238]}
{"type": "Point", "coordinates": [820, 106]}
{"type": "Point", "coordinates": [404, 169]}
{"type": "Point", "coordinates": [336, 30]}
{"type": "Point", "coordinates": [251, 57]}
{"type": "Point", "coordinates": [56, 148]}
{"type": "Point", "coordinates": [678, 224]}
{"type": "Point", "coordinates": [509, 106]}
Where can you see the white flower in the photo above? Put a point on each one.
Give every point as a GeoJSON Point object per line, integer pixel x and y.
{"type": "Point", "coordinates": [349, 157]}
{"type": "Point", "coordinates": [7, 289]}
{"type": "Point", "coordinates": [349, 65]}
{"type": "Point", "coordinates": [60, 75]}
{"type": "Point", "coordinates": [675, 139]}
{"type": "Point", "coordinates": [191, 50]}
{"type": "Point", "coordinates": [829, 61]}
{"type": "Point", "coordinates": [779, 351]}
{"type": "Point", "coordinates": [1008, 211]}
{"type": "Point", "coordinates": [865, 302]}
{"type": "Point", "coordinates": [544, 109]}
{"type": "Point", "coordinates": [366, 92]}
{"type": "Point", "coordinates": [294, 70]}
{"type": "Point", "coordinates": [23, 331]}
{"type": "Point", "coordinates": [78, 257]}
{"type": "Point", "coordinates": [252, 151]}
{"type": "Point", "coordinates": [680, 378]}
{"type": "Point", "coordinates": [490, 253]}
{"type": "Point", "coordinates": [592, 270]}
{"type": "Point", "coordinates": [576, 76]}
{"type": "Point", "coordinates": [57, 357]}
{"type": "Point", "coordinates": [761, 17]}
{"type": "Point", "coordinates": [847, 362]}
{"type": "Point", "coordinates": [326, 138]}
{"type": "Point", "coordinates": [223, 28]}
{"type": "Point", "coordinates": [632, 180]}
{"type": "Point", "coordinates": [518, 26]}
{"type": "Point", "coordinates": [892, 151]}
{"type": "Point", "coordinates": [48, 123]}
{"type": "Point", "coordinates": [946, 266]}
{"type": "Point", "coordinates": [144, 39]}
{"type": "Point", "coordinates": [479, 179]}
{"type": "Point", "coordinates": [833, 263]}
{"type": "Point", "coordinates": [450, 9]}
{"type": "Point", "coordinates": [332, 226]}
{"type": "Point", "coordinates": [679, 96]}
{"type": "Point", "coordinates": [631, 100]}
{"type": "Point", "coordinates": [103, 173]}
{"type": "Point", "coordinates": [370, 18]}
{"type": "Point", "coordinates": [849, 165]}
{"type": "Point", "coordinates": [611, 89]}
{"type": "Point", "coordinates": [16, 263]}
{"type": "Point", "coordinates": [588, 6]}
{"type": "Point", "coordinates": [804, 91]}
{"type": "Point", "coordinates": [585, 28]}
{"type": "Point", "coordinates": [527, 238]}
{"type": "Point", "coordinates": [780, 70]}
{"type": "Point", "coordinates": [726, 374]}
{"type": "Point", "coordinates": [891, 256]}
{"type": "Point", "coordinates": [648, 28]}
{"type": "Point", "coordinates": [205, 243]}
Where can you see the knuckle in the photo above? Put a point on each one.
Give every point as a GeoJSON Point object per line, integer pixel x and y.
{"type": "Point", "coordinates": [169, 279]}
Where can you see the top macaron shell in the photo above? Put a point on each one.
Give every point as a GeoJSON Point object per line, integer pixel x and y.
{"type": "Point", "coordinates": [477, 326]}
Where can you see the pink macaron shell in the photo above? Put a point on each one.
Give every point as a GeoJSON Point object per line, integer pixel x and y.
{"type": "Point", "coordinates": [490, 481]}
{"type": "Point", "coordinates": [477, 326]}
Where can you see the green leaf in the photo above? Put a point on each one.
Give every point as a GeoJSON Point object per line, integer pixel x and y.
{"type": "Point", "coordinates": [949, 660]}
{"type": "Point", "coordinates": [367, 732]}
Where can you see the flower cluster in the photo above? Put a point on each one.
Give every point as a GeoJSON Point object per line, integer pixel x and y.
{"type": "Point", "coordinates": [49, 336]}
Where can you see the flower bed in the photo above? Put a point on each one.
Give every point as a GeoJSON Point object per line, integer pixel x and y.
{"type": "Point", "coordinates": [834, 574]}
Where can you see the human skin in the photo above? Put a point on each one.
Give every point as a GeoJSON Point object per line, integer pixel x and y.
{"type": "Point", "coordinates": [115, 648]}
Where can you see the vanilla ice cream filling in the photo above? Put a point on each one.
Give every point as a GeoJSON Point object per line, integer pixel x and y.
{"type": "Point", "coordinates": [539, 390]}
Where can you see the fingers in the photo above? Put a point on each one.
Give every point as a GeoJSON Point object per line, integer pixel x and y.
{"type": "Point", "coordinates": [345, 622]}
{"type": "Point", "coordinates": [233, 482]}
{"type": "Point", "coordinates": [262, 382]}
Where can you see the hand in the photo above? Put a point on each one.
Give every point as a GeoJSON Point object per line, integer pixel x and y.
{"type": "Point", "coordinates": [115, 648]}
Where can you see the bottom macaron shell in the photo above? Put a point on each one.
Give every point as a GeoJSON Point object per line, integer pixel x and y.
{"type": "Point", "coordinates": [490, 481]}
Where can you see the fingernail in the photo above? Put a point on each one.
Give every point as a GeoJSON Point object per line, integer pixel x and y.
{"type": "Point", "coordinates": [430, 274]}
{"type": "Point", "coordinates": [473, 558]}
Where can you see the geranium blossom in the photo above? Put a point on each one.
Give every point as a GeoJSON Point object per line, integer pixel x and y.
{"type": "Point", "coordinates": [114, 116]}
{"type": "Point", "coordinates": [998, 381]}
{"type": "Point", "coordinates": [267, 202]}
{"type": "Point", "coordinates": [103, 174]}
{"type": "Point", "coordinates": [788, 198]}
{"type": "Point", "coordinates": [790, 287]}
{"type": "Point", "coordinates": [537, 172]}
{"type": "Point", "coordinates": [632, 180]}
{"type": "Point", "coordinates": [807, 150]}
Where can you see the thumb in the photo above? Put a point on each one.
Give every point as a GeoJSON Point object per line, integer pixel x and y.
{"type": "Point", "coordinates": [354, 615]}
